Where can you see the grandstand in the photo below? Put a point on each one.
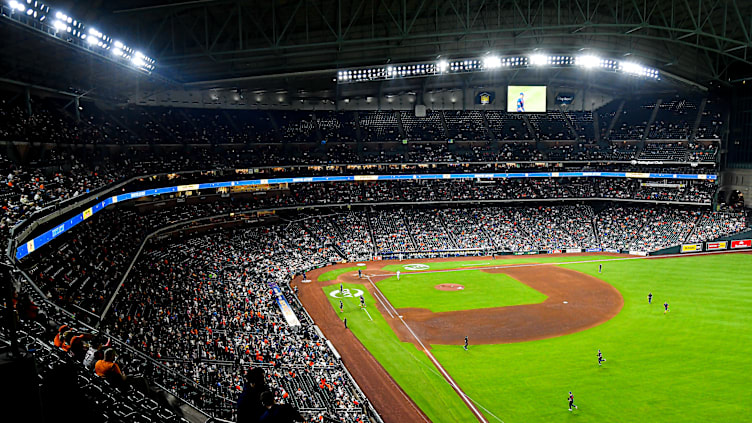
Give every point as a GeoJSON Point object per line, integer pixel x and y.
{"type": "Point", "coordinates": [206, 190]}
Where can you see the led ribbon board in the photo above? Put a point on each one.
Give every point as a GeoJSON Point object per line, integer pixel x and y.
{"type": "Point", "coordinates": [34, 244]}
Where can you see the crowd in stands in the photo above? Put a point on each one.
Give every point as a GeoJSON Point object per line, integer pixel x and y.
{"type": "Point", "coordinates": [205, 308]}
{"type": "Point", "coordinates": [57, 121]}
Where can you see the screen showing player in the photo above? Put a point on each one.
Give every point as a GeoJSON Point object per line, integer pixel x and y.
{"type": "Point", "coordinates": [526, 99]}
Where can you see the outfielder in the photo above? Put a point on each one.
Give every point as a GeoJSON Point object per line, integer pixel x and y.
{"type": "Point", "coordinates": [600, 357]}
{"type": "Point", "coordinates": [571, 401]}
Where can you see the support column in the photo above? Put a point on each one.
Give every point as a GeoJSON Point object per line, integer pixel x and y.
{"type": "Point", "coordinates": [27, 101]}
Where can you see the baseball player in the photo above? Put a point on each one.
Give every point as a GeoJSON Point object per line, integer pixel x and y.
{"type": "Point", "coordinates": [571, 401]}
{"type": "Point", "coordinates": [362, 302]}
{"type": "Point", "coordinates": [650, 297]}
{"type": "Point", "coordinates": [341, 306]}
{"type": "Point", "coordinates": [600, 357]}
{"type": "Point", "coordinates": [465, 342]}
{"type": "Point", "coordinates": [340, 288]}
{"type": "Point", "coordinates": [398, 273]}
{"type": "Point", "coordinates": [665, 307]}
{"type": "Point", "coordinates": [600, 267]}
{"type": "Point", "coordinates": [360, 274]}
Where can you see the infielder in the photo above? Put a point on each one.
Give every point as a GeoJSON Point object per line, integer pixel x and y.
{"type": "Point", "coordinates": [465, 342]}
{"type": "Point", "coordinates": [398, 273]}
{"type": "Point", "coordinates": [362, 302]}
{"type": "Point", "coordinates": [341, 306]}
{"type": "Point", "coordinates": [600, 357]}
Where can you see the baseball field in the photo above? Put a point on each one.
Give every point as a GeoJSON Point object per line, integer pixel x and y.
{"type": "Point", "coordinates": [534, 327]}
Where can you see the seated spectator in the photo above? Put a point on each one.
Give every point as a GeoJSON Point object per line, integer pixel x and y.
{"type": "Point", "coordinates": [250, 408]}
{"type": "Point", "coordinates": [95, 353]}
{"type": "Point", "coordinates": [108, 369]}
{"type": "Point", "coordinates": [59, 337]}
{"type": "Point", "coordinates": [278, 413]}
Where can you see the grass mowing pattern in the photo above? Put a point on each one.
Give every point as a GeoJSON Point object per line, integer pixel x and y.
{"type": "Point", "coordinates": [334, 274]}
{"type": "Point", "coordinates": [410, 367]}
{"type": "Point", "coordinates": [691, 365]}
{"type": "Point", "coordinates": [487, 262]}
{"type": "Point", "coordinates": [482, 290]}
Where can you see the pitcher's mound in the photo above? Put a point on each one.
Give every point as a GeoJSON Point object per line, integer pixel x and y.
{"type": "Point", "coordinates": [449, 287]}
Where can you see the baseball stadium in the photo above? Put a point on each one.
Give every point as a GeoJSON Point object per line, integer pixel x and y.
{"type": "Point", "coordinates": [375, 211]}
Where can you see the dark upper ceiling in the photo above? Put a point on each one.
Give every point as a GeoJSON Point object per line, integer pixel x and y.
{"type": "Point", "coordinates": [222, 43]}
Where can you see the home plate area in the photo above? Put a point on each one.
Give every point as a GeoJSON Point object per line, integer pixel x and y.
{"type": "Point", "coordinates": [449, 287]}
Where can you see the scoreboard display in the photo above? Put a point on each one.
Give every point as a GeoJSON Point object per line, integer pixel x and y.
{"type": "Point", "coordinates": [526, 99]}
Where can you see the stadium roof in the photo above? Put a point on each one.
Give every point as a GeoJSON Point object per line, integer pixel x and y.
{"type": "Point", "coordinates": [223, 43]}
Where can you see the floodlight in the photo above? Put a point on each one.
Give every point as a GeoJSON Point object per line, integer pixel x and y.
{"type": "Point", "coordinates": [442, 65]}
{"type": "Point", "coordinates": [538, 59]}
{"type": "Point", "coordinates": [118, 44]}
{"type": "Point", "coordinates": [491, 62]}
{"type": "Point", "coordinates": [17, 6]}
{"type": "Point", "coordinates": [117, 52]}
{"type": "Point", "coordinates": [59, 25]}
{"type": "Point", "coordinates": [137, 61]}
{"type": "Point", "coordinates": [588, 61]}
{"type": "Point", "coordinates": [632, 68]}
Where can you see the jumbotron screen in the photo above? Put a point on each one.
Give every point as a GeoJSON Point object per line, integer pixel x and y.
{"type": "Point", "coordinates": [526, 99]}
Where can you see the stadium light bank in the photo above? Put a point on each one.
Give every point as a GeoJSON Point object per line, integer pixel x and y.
{"type": "Point", "coordinates": [490, 63]}
{"type": "Point", "coordinates": [38, 16]}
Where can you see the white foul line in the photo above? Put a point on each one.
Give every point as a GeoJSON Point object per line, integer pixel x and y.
{"type": "Point", "coordinates": [449, 379]}
{"type": "Point", "coordinates": [369, 314]}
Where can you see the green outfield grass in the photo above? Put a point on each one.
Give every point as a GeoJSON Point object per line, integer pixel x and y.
{"type": "Point", "coordinates": [481, 290]}
{"type": "Point", "coordinates": [334, 274]}
{"type": "Point", "coordinates": [692, 364]}
{"type": "Point", "coordinates": [461, 264]}
{"type": "Point", "coordinates": [410, 367]}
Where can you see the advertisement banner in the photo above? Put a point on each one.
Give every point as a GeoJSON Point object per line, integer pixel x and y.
{"type": "Point", "coordinates": [574, 250]}
{"type": "Point", "coordinates": [638, 253]}
{"type": "Point", "coordinates": [611, 250]}
{"type": "Point", "coordinates": [594, 250]}
{"type": "Point", "coordinates": [564, 98]}
{"type": "Point", "coordinates": [485, 97]}
{"type": "Point", "coordinates": [284, 306]}
{"type": "Point", "coordinates": [741, 243]}
{"type": "Point", "coordinates": [718, 245]}
{"type": "Point", "coordinates": [691, 248]}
